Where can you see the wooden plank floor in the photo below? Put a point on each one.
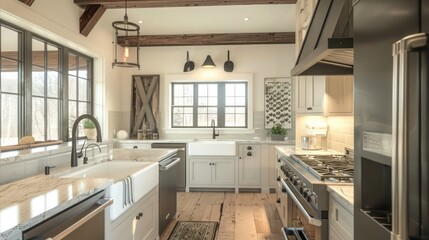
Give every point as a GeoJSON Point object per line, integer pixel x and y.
{"type": "Point", "coordinates": [242, 216]}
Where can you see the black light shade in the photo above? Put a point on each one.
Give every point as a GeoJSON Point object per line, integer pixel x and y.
{"type": "Point", "coordinates": [208, 63]}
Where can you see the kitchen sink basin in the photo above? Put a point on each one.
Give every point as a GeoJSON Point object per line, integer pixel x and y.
{"type": "Point", "coordinates": [144, 177]}
{"type": "Point", "coordinates": [208, 147]}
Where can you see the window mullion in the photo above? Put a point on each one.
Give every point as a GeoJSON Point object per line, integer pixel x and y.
{"type": "Point", "coordinates": [64, 92]}
{"type": "Point", "coordinates": [195, 107]}
{"type": "Point", "coordinates": [221, 105]}
{"type": "Point", "coordinates": [26, 111]}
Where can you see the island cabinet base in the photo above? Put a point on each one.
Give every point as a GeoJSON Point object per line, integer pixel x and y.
{"type": "Point", "coordinates": [139, 222]}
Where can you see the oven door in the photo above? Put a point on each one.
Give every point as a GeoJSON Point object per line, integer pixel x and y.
{"type": "Point", "coordinates": [304, 222]}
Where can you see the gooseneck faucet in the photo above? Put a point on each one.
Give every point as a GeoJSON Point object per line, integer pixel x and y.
{"type": "Point", "coordinates": [74, 135]}
{"type": "Point", "coordinates": [213, 124]}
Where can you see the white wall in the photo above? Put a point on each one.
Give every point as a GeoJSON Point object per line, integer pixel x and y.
{"type": "Point", "coordinates": [261, 61]}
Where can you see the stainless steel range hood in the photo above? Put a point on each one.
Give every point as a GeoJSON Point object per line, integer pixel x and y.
{"type": "Point", "coordinates": [328, 46]}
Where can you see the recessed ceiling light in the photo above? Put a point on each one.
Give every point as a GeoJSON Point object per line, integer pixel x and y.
{"type": "Point", "coordinates": [140, 21]}
{"type": "Point", "coordinates": [246, 19]}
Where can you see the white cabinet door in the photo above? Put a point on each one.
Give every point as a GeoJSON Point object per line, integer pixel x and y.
{"type": "Point", "coordinates": [273, 164]}
{"type": "Point", "coordinates": [339, 93]}
{"type": "Point", "coordinates": [223, 171]}
{"type": "Point", "coordinates": [200, 171]}
{"type": "Point", "coordinates": [310, 92]}
{"type": "Point", "coordinates": [318, 94]}
{"type": "Point", "coordinates": [147, 220]}
{"type": "Point", "coordinates": [300, 94]}
{"type": "Point", "coordinates": [249, 165]}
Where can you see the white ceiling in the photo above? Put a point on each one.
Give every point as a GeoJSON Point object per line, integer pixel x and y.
{"type": "Point", "coordinates": [214, 19]}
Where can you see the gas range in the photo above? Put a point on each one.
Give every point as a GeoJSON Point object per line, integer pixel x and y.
{"type": "Point", "coordinates": [334, 168]}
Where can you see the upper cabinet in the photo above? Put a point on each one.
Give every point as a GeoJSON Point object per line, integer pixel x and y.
{"type": "Point", "coordinates": [327, 95]}
{"type": "Point", "coordinates": [304, 13]}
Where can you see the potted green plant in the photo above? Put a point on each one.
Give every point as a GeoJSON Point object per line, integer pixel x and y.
{"type": "Point", "coordinates": [89, 129]}
{"type": "Point", "coordinates": [278, 132]}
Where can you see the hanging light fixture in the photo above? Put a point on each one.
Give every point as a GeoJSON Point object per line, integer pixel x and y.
{"type": "Point", "coordinates": [208, 63]}
{"type": "Point", "coordinates": [125, 29]}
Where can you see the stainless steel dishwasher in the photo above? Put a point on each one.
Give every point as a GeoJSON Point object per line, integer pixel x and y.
{"type": "Point", "coordinates": [84, 220]}
{"type": "Point", "coordinates": [181, 153]}
{"type": "Point", "coordinates": [167, 190]}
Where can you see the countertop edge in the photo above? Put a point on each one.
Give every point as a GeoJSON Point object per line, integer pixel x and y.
{"type": "Point", "coordinates": [337, 193]}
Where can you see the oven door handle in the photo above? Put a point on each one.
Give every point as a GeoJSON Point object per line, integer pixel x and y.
{"type": "Point", "coordinates": [313, 221]}
{"type": "Point", "coordinates": [169, 165]}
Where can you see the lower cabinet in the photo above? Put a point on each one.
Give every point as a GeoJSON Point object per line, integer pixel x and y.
{"type": "Point", "coordinates": [140, 222]}
{"type": "Point", "coordinates": [249, 165]}
{"type": "Point", "coordinates": [340, 221]}
{"type": "Point", "coordinates": [215, 172]}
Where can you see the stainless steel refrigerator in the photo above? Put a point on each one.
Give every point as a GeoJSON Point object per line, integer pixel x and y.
{"type": "Point", "coordinates": [391, 119]}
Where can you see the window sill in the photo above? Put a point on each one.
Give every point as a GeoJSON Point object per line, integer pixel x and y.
{"type": "Point", "coordinates": [225, 131]}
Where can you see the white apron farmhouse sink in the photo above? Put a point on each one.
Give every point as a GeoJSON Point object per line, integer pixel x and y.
{"type": "Point", "coordinates": [213, 147]}
{"type": "Point", "coordinates": [144, 177]}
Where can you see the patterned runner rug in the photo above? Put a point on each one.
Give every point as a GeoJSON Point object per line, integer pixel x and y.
{"type": "Point", "coordinates": [192, 230]}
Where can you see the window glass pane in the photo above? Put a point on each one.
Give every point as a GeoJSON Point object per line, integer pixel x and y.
{"type": "Point", "coordinates": [72, 88]}
{"type": "Point", "coordinates": [38, 81]}
{"type": "Point", "coordinates": [240, 89]}
{"type": "Point", "coordinates": [188, 90]}
{"type": "Point", "coordinates": [72, 64]}
{"type": "Point", "coordinates": [9, 119]}
{"type": "Point", "coordinates": [178, 101]}
{"type": "Point", "coordinates": [188, 120]}
{"type": "Point", "coordinates": [52, 118]}
{"type": "Point", "coordinates": [202, 120]}
{"type": "Point", "coordinates": [240, 101]}
{"type": "Point", "coordinates": [240, 120]}
{"type": "Point", "coordinates": [212, 90]}
{"type": "Point", "coordinates": [202, 101]}
{"type": "Point", "coordinates": [229, 120]}
{"type": "Point", "coordinates": [83, 89]}
{"type": "Point", "coordinates": [188, 101]}
{"type": "Point", "coordinates": [38, 54]}
{"type": "Point", "coordinates": [72, 115]}
{"type": "Point", "coordinates": [9, 43]}
{"type": "Point", "coordinates": [53, 57]}
{"type": "Point", "coordinates": [229, 101]}
{"type": "Point", "coordinates": [229, 90]}
{"type": "Point", "coordinates": [229, 110]}
{"type": "Point", "coordinates": [38, 118]}
{"type": "Point", "coordinates": [9, 76]}
{"type": "Point", "coordinates": [83, 108]}
{"type": "Point", "coordinates": [178, 90]}
{"type": "Point", "coordinates": [202, 90]}
{"type": "Point", "coordinates": [202, 110]}
{"type": "Point", "coordinates": [240, 110]}
{"type": "Point", "coordinates": [212, 101]}
{"type": "Point", "coordinates": [83, 67]}
{"type": "Point", "coordinates": [53, 80]}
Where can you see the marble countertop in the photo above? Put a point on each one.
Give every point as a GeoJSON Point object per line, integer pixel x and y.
{"type": "Point", "coordinates": [142, 155]}
{"type": "Point", "coordinates": [289, 150]}
{"type": "Point", "coordinates": [238, 141]}
{"type": "Point", "coordinates": [29, 201]}
{"type": "Point", "coordinates": [343, 194]}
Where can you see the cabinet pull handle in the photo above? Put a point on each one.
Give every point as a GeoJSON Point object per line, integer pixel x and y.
{"type": "Point", "coordinates": [309, 108]}
{"type": "Point", "coordinates": [278, 200]}
{"type": "Point", "coordinates": [336, 214]}
{"type": "Point", "coordinates": [141, 214]}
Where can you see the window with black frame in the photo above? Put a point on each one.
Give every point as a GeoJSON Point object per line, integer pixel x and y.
{"type": "Point", "coordinates": [195, 105]}
{"type": "Point", "coordinates": [44, 86]}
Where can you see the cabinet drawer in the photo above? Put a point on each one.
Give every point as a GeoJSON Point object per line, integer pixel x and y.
{"type": "Point", "coordinates": [340, 219]}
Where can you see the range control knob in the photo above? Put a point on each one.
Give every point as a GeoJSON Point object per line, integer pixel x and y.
{"type": "Point", "coordinates": [249, 154]}
{"type": "Point", "coordinates": [297, 183]}
{"type": "Point", "coordinates": [307, 193]}
{"type": "Point", "coordinates": [249, 147]}
{"type": "Point", "coordinates": [312, 198]}
{"type": "Point", "coordinates": [302, 188]}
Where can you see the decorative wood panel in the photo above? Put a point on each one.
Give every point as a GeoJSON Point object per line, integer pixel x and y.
{"type": "Point", "coordinates": [145, 103]}
{"type": "Point", "coordinates": [176, 3]}
{"type": "Point", "coordinates": [209, 39]}
{"type": "Point", "coordinates": [278, 102]}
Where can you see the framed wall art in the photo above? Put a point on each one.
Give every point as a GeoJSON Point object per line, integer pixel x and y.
{"type": "Point", "coordinates": [278, 102]}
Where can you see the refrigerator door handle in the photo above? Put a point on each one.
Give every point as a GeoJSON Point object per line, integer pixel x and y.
{"type": "Point", "coordinates": [399, 132]}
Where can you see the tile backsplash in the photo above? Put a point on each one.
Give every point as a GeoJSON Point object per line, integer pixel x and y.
{"type": "Point", "coordinates": [340, 131]}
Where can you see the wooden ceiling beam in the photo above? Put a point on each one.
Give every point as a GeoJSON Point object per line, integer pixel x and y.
{"type": "Point", "coordinates": [175, 3]}
{"type": "Point", "coordinates": [90, 17]}
{"type": "Point", "coordinates": [27, 2]}
{"type": "Point", "coordinates": [210, 39]}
